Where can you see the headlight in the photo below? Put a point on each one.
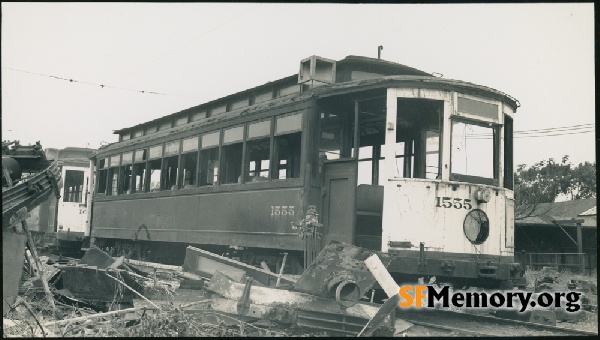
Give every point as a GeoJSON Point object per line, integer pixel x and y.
{"type": "Point", "coordinates": [483, 195]}
{"type": "Point", "coordinates": [476, 226]}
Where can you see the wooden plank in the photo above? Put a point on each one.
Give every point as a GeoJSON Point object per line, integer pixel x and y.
{"type": "Point", "coordinates": [203, 262]}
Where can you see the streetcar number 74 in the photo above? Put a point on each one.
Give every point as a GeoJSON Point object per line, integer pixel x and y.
{"type": "Point", "coordinates": [456, 203]}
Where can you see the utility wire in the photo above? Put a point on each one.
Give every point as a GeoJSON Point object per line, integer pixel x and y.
{"type": "Point", "coordinates": [95, 84]}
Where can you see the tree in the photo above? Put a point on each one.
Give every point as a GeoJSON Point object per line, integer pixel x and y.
{"type": "Point", "coordinates": [545, 180]}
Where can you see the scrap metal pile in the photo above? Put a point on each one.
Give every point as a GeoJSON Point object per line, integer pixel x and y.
{"type": "Point", "coordinates": [210, 295]}
{"type": "Point", "coordinates": [20, 194]}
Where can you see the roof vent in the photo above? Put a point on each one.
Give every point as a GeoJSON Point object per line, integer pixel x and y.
{"type": "Point", "coordinates": [316, 71]}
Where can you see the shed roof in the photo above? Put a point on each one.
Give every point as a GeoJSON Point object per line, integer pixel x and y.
{"type": "Point", "coordinates": [545, 214]}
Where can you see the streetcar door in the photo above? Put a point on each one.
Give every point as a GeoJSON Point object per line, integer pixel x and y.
{"type": "Point", "coordinates": [72, 213]}
{"type": "Point", "coordinates": [339, 201]}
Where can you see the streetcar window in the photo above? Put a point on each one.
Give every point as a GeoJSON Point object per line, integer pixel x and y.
{"type": "Point", "coordinates": [337, 134]}
{"type": "Point", "coordinates": [102, 173]}
{"type": "Point", "coordinates": [164, 125]}
{"type": "Point", "coordinates": [432, 154]}
{"type": "Point", "coordinates": [288, 146]}
{"type": "Point", "coordinates": [209, 159]}
{"type": "Point", "coordinates": [418, 129]}
{"type": "Point", "coordinates": [287, 156]}
{"type": "Point", "coordinates": [170, 173]}
{"type": "Point", "coordinates": [198, 115]}
{"type": "Point", "coordinates": [154, 168]}
{"type": "Point", "coordinates": [181, 120]}
{"type": "Point", "coordinates": [232, 163]}
{"type": "Point", "coordinates": [126, 179]}
{"type": "Point", "coordinates": [113, 181]}
{"type": "Point", "coordinates": [126, 161]}
{"type": "Point", "coordinates": [258, 151]}
{"type": "Point", "coordinates": [209, 166]}
{"type": "Point", "coordinates": [473, 152]}
{"type": "Point", "coordinates": [365, 165]}
{"type": "Point", "coordinates": [372, 113]}
{"type": "Point", "coordinates": [257, 156]}
{"type": "Point", "coordinates": [139, 171]}
{"type": "Point", "coordinates": [73, 186]}
{"type": "Point", "coordinates": [231, 171]}
{"type": "Point", "coordinates": [189, 162]}
{"type": "Point", "coordinates": [404, 159]}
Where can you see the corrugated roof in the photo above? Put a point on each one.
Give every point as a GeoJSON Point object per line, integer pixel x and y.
{"type": "Point", "coordinates": [547, 213]}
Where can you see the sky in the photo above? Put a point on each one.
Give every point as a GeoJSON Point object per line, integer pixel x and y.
{"type": "Point", "coordinates": [182, 55]}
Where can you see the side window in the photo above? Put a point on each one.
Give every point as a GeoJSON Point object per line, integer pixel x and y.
{"type": "Point", "coordinates": [73, 187]}
{"type": "Point", "coordinates": [139, 170]}
{"type": "Point", "coordinates": [209, 159]}
{"type": "Point", "coordinates": [154, 168]}
{"type": "Point", "coordinates": [126, 172]}
{"type": "Point", "coordinates": [189, 161]}
{"type": "Point", "coordinates": [288, 145]}
{"type": "Point", "coordinates": [231, 169]}
{"type": "Point", "coordinates": [113, 175]}
{"type": "Point", "coordinates": [258, 151]}
{"type": "Point", "coordinates": [102, 173]}
{"type": "Point", "coordinates": [170, 165]}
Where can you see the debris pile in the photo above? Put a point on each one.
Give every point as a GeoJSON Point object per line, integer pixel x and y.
{"type": "Point", "coordinates": [209, 295]}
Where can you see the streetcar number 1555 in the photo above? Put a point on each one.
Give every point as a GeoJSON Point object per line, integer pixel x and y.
{"type": "Point", "coordinates": [277, 210]}
{"type": "Point", "coordinates": [456, 203]}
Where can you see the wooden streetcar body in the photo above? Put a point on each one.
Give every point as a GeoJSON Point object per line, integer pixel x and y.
{"type": "Point", "coordinates": [367, 142]}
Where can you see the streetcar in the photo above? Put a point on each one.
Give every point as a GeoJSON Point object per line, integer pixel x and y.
{"type": "Point", "coordinates": [393, 159]}
{"type": "Point", "coordinates": [63, 222]}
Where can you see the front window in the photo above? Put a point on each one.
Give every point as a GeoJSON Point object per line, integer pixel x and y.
{"type": "Point", "coordinates": [73, 187]}
{"type": "Point", "coordinates": [474, 152]}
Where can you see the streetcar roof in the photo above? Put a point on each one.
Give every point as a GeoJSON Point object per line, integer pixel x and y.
{"type": "Point", "coordinates": [323, 92]}
{"type": "Point", "coordinates": [362, 63]}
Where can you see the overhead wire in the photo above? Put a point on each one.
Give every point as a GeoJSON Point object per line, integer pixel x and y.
{"type": "Point", "coordinates": [71, 80]}
{"type": "Point", "coordinates": [548, 132]}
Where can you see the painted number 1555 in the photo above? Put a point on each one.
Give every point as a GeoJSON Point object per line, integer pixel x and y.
{"type": "Point", "coordinates": [277, 210]}
{"type": "Point", "coordinates": [456, 203]}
